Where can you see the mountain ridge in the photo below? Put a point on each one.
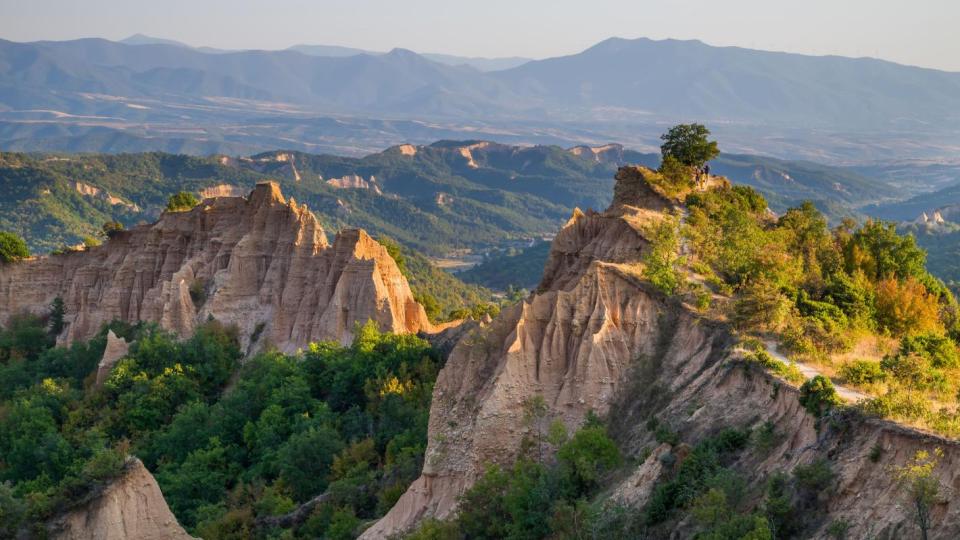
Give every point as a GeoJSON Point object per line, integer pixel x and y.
{"type": "Point", "coordinates": [715, 83]}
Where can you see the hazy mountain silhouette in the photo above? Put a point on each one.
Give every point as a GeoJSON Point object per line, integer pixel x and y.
{"type": "Point", "coordinates": [618, 79]}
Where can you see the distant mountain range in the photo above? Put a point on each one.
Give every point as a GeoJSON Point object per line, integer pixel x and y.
{"type": "Point", "coordinates": [480, 63]}
{"type": "Point", "coordinates": [617, 79]}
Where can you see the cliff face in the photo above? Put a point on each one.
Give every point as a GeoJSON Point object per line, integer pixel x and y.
{"type": "Point", "coordinates": [596, 336]}
{"type": "Point", "coordinates": [130, 507]}
{"type": "Point", "coordinates": [261, 263]}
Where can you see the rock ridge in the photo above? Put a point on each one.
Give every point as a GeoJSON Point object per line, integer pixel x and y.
{"type": "Point", "coordinates": [261, 263]}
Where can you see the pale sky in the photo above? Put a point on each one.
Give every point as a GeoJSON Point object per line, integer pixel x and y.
{"type": "Point", "coordinates": [916, 32]}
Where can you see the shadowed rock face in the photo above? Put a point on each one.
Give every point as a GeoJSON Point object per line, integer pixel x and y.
{"type": "Point", "coordinates": [261, 263]}
{"type": "Point", "coordinates": [596, 336]}
{"type": "Point", "coordinates": [130, 507]}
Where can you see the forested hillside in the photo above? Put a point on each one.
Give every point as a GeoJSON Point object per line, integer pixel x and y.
{"type": "Point", "coordinates": [348, 421]}
{"type": "Point", "coordinates": [436, 199]}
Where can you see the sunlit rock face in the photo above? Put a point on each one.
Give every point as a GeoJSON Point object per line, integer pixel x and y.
{"type": "Point", "coordinates": [261, 263]}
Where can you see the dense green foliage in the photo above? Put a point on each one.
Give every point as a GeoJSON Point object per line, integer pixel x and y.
{"type": "Point", "coordinates": [815, 285]}
{"type": "Point", "coordinates": [512, 267]}
{"type": "Point", "coordinates": [819, 290]}
{"type": "Point", "coordinates": [678, 176]}
{"type": "Point", "coordinates": [705, 460]}
{"type": "Point", "coordinates": [443, 296]}
{"type": "Point", "coordinates": [689, 145]}
{"type": "Point", "coordinates": [12, 247]}
{"type": "Point", "coordinates": [818, 396]}
{"type": "Point", "coordinates": [181, 201]}
{"type": "Point", "coordinates": [349, 421]}
{"type": "Point", "coordinates": [535, 499]}
{"type": "Point", "coordinates": [662, 257]}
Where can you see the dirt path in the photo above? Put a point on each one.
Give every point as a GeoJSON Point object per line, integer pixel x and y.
{"type": "Point", "coordinates": [809, 372]}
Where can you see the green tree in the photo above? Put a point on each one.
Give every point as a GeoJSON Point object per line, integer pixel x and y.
{"type": "Point", "coordinates": [200, 479]}
{"type": "Point", "coordinates": [880, 252]}
{"type": "Point", "coordinates": [13, 511]}
{"type": "Point", "coordinates": [535, 417]}
{"type": "Point", "coordinates": [111, 228]}
{"type": "Point", "coordinates": [12, 247]}
{"type": "Point", "coordinates": [305, 460]}
{"type": "Point", "coordinates": [587, 457]}
{"type": "Point", "coordinates": [57, 312]}
{"type": "Point", "coordinates": [679, 177]}
{"type": "Point", "coordinates": [818, 395]}
{"type": "Point", "coordinates": [921, 486]}
{"type": "Point", "coordinates": [91, 241]}
{"type": "Point", "coordinates": [662, 257]}
{"type": "Point", "coordinates": [180, 201]}
{"type": "Point", "coordinates": [483, 507]}
{"type": "Point", "coordinates": [689, 144]}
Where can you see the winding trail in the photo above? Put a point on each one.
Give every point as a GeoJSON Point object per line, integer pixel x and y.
{"type": "Point", "coordinates": [847, 394]}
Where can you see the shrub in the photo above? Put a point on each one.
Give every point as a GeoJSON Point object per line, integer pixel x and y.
{"type": "Point", "coordinates": [663, 256]}
{"type": "Point", "coordinates": [587, 457]}
{"type": "Point", "coordinates": [765, 438]}
{"type": "Point", "coordinates": [896, 403]}
{"type": "Point", "coordinates": [678, 178]}
{"type": "Point", "coordinates": [815, 476]}
{"type": "Point", "coordinates": [663, 434]}
{"type": "Point", "coordinates": [181, 201]}
{"type": "Point", "coordinates": [839, 529]}
{"type": "Point", "coordinates": [432, 529]}
{"type": "Point", "coordinates": [790, 371]}
{"type": "Point", "coordinates": [112, 228]}
{"type": "Point", "coordinates": [862, 372]}
{"type": "Point", "coordinates": [105, 464]}
{"type": "Point", "coordinates": [198, 292]}
{"type": "Point", "coordinates": [938, 349]}
{"type": "Point", "coordinates": [818, 396]}
{"type": "Point", "coordinates": [13, 511]}
{"type": "Point", "coordinates": [914, 371]}
{"type": "Point", "coordinates": [12, 247]}
{"type": "Point", "coordinates": [703, 463]}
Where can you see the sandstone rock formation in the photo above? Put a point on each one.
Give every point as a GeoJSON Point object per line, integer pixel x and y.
{"type": "Point", "coordinates": [261, 263]}
{"type": "Point", "coordinates": [596, 336]}
{"type": "Point", "coordinates": [355, 181]}
{"type": "Point", "coordinates": [608, 153]}
{"type": "Point", "coordinates": [130, 507]}
{"type": "Point", "coordinates": [222, 190]}
{"type": "Point", "coordinates": [116, 349]}
{"type": "Point", "coordinates": [97, 193]}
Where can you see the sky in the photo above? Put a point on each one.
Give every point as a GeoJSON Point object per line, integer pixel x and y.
{"type": "Point", "coordinates": [918, 32]}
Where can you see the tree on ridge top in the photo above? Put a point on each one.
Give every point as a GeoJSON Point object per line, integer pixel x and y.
{"type": "Point", "coordinates": [688, 144]}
